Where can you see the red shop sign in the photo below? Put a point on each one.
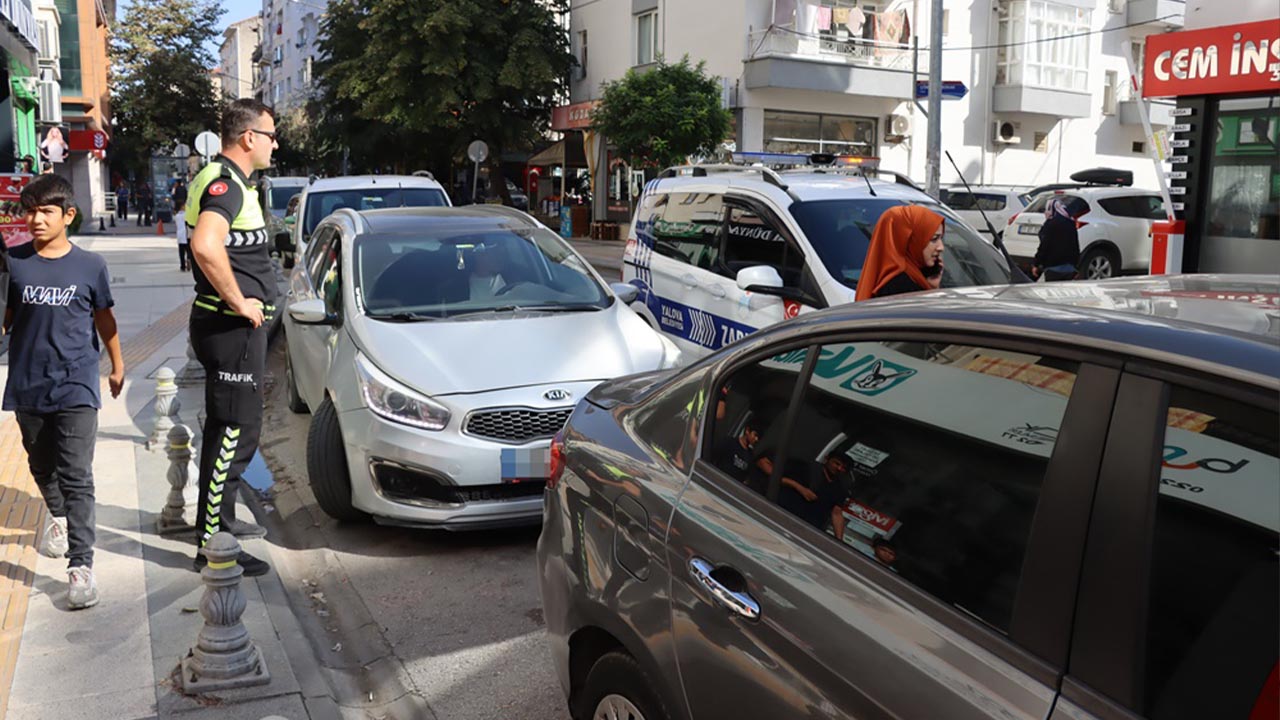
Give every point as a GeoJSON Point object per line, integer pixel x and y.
{"type": "Point", "coordinates": [87, 140]}
{"type": "Point", "coordinates": [1214, 61]}
{"type": "Point", "coordinates": [573, 117]}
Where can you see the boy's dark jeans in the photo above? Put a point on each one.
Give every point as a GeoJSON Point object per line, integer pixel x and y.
{"type": "Point", "coordinates": [59, 449]}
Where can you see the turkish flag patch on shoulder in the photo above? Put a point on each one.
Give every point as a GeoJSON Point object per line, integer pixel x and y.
{"type": "Point", "coordinates": [218, 188]}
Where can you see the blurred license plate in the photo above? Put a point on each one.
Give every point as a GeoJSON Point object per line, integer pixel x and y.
{"type": "Point", "coordinates": [1028, 229]}
{"type": "Point", "coordinates": [520, 464]}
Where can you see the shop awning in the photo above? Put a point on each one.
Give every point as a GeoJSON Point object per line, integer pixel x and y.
{"type": "Point", "coordinates": [556, 154]}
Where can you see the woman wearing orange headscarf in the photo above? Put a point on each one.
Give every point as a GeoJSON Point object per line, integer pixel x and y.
{"type": "Point", "coordinates": [905, 253]}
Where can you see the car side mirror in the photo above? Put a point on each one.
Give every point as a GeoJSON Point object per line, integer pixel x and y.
{"type": "Point", "coordinates": [759, 278]}
{"type": "Point", "coordinates": [626, 292]}
{"type": "Point", "coordinates": [312, 312]}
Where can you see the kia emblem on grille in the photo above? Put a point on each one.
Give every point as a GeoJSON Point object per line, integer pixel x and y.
{"type": "Point", "coordinates": [555, 395]}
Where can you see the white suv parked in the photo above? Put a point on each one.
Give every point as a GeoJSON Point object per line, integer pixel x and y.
{"type": "Point", "coordinates": [720, 252]}
{"type": "Point", "coordinates": [1114, 225]}
{"type": "Point", "coordinates": [323, 196]}
{"type": "Point", "coordinates": [997, 203]}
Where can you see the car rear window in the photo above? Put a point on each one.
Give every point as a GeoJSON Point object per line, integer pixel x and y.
{"type": "Point", "coordinates": [321, 204]}
{"type": "Point", "coordinates": [1146, 207]}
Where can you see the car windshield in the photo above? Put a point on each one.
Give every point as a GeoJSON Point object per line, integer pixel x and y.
{"type": "Point", "coordinates": [458, 269]}
{"type": "Point", "coordinates": [280, 194]}
{"type": "Point", "coordinates": [840, 231]}
{"type": "Point", "coordinates": [321, 204]}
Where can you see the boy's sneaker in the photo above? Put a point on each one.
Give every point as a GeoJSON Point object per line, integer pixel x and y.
{"type": "Point", "coordinates": [53, 541]}
{"type": "Point", "coordinates": [253, 567]}
{"type": "Point", "coordinates": [83, 591]}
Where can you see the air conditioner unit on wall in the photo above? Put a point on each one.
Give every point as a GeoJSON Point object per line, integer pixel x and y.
{"type": "Point", "coordinates": [1006, 132]}
{"type": "Point", "coordinates": [897, 127]}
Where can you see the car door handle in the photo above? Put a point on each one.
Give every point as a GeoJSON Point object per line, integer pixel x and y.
{"type": "Point", "coordinates": [717, 291]}
{"type": "Point", "coordinates": [689, 280]}
{"type": "Point", "coordinates": [737, 602]}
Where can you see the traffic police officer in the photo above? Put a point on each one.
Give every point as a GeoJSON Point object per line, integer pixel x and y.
{"type": "Point", "coordinates": [235, 292]}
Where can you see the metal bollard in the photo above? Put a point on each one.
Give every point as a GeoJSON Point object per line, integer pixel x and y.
{"type": "Point", "coordinates": [179, 511]}
{"type": "Point", "coordinates": [166, 407]}
{"type": "Point", "coordinates": [225, 657]}
{"type": "Point", "coordinates": [193, 372]}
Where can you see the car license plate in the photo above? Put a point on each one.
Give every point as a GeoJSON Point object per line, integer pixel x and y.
{"type": "Point", "coordinates": [1028, 229]}
{"type": "Point", "coordinates": [520, 464]}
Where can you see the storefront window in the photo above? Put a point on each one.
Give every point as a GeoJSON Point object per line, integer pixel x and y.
{"type": "Point", "coordinates": [1244, 171]}
{"type": "Point", "coordinates": [1024, 59]}
{"type": "Point", "coordinates": [803, 133]}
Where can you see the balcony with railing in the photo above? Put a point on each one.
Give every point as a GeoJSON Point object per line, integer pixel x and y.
{"type": "Point", "coordinates": [783, 58]}
{"type": "Point", "coordinates": [1161, 14]}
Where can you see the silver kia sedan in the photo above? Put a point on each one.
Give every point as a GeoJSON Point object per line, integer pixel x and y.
{"type": "Point", "coordinates": [439, 350]}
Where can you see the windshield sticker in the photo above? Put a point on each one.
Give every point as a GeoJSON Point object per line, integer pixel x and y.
{"type": "Point", "coordinates": [866, 456]}
{"type": "Point", "coordinates": [881, 377]}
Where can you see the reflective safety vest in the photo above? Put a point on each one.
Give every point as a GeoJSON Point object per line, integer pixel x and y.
{"type": "Point", "coordinates": [246, 243]}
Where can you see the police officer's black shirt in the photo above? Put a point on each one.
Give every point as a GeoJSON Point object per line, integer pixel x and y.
{"type": "Point", "coordinates": [247, 251]}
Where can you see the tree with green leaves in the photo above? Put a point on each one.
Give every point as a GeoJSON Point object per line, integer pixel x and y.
{"type": "Point", "coordinates": [161, 89]}
{"type": "Point", "coordinates": [659, 116]}
{"type": "Point", "coordinates": [424, 78]}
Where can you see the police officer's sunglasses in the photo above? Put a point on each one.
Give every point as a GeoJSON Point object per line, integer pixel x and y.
{"type": "Point", "coordinates": [271, 134]}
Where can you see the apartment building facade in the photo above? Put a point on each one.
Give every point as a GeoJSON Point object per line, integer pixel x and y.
{"type": "Point", "coordinates": [235, 74]}
{"type": "Point", "coordinates": [840, 76]}
{"type": "Point", "coordinates": [85, 123]}
{"type": "Point", "coordinates": [287, 52]}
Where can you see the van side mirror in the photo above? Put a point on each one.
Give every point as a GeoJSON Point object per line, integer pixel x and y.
{"type": "Point", "coordinates": [758, 278]}
{"type": "Point", "coordinates": [625, 292]}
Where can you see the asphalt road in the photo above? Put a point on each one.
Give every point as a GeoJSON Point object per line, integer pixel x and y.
{"type": "Point", "coordinates": [460, 611]}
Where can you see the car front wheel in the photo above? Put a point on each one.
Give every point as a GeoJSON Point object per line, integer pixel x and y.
{"type": "Point", "coordinates": [1100, 264]}
{"type": "Point", "coordinates": [617, 688]}
{"type": "Point", "coordinates": [296, 403]}
{"type": "Point", "coordinates": [327, 466]}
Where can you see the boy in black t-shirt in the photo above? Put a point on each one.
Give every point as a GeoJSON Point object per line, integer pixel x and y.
{"type": "Point", "coordinates": [58, 296]}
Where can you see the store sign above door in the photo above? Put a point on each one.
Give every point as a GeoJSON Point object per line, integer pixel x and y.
{"type": "Point", "coordinates": [1214, 61]}
{"type": "Point", "coordinates": [573, 117]}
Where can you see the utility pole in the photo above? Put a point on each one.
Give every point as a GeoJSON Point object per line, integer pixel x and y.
{"type": "Point", "coordinates": [933, 152]}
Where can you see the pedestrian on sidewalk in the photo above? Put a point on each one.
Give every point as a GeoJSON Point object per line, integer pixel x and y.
{"type": "Point", "coordinates": [1059, 251]}
{"type": "Point", "coordinates": [58, 295]}
{"type": "Point", "coordinates": [235, 289]}
{"type": "Point", "coordinates": [144, 202]}
{"type": "Point", "coordinates": [122, 200]}
{"type": "Point", "coordinates": [179, 208]}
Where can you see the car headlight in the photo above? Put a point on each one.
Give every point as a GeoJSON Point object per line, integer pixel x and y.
{"type": "Point", "coordinates": [395, 402]}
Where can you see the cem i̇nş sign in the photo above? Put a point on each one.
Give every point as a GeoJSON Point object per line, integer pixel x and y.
{"type": "Point", "coordinates": [1231, 59]}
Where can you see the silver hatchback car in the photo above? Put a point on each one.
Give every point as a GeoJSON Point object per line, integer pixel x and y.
{"type": "Point", "coordinates": [440, 350]}
{"type": "Point", "coordinates": [1049, 502]}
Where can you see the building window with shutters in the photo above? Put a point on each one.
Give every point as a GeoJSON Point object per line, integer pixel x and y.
{"type": "Point", "coordinates": [1024, 58]}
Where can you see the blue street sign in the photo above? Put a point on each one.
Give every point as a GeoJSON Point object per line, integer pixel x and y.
{"type": "Point", "coordinates": [951, 89]}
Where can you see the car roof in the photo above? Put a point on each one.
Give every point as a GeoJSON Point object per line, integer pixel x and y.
{"type": "Point", "coordinates": [1226, 324]}
{"type": "Point", "coordinates": [392, 221]}
{"type": "Point", "coordinates": [285, 179]}
{"type": "Point", "coordinates": [362, 182]}
{"type": "Point", "coordinates": [802, 186]}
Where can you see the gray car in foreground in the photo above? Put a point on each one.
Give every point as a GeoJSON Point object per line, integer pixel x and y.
{"type": "Point", "coordinates": [1042, 501]}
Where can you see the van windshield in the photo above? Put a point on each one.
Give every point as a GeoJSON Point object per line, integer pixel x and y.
{"type": "Point", "coordinates": [840, 232]}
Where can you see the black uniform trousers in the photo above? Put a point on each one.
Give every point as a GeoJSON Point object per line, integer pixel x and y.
{"type": "Point", "coordinates": [234, 356]}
